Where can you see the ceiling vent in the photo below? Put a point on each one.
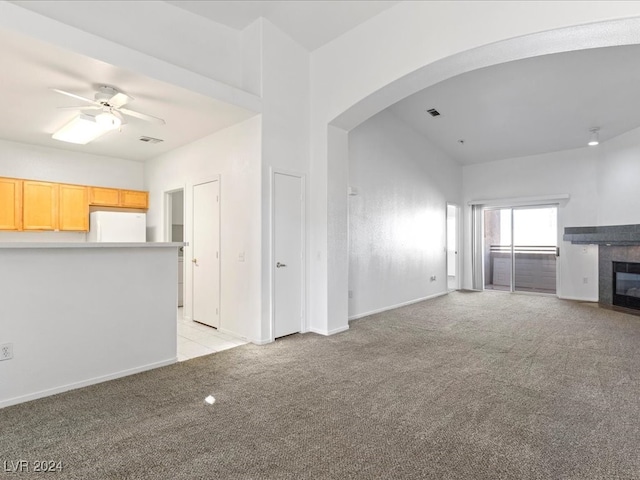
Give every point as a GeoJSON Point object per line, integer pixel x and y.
{"type": "Point", "coordinates": [150, 140]}
{"type": "Point", "coordinates": [433, 112]}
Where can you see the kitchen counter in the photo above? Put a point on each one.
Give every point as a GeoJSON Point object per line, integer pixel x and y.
{"type": "Point", "coordinates": [92, 245]}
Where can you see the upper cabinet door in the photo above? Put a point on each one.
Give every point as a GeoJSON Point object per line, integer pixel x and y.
{"type": "Point", "coordinates": [74, 208]}
{"type": "Point", "coordinates": [40, 205]}
{"type": "Point", "coordinates": [10, 204]}
{"type": "Point", "coordinates": [107, 197]}
{"type": "Point", "coordinates": [134, 199]}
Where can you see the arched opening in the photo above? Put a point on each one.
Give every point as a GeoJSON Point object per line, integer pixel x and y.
{"type": "Point", "coordinates": [596, 35]}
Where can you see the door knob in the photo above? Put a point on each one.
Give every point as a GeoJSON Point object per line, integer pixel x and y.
{"type": "Point", "coordinates": [279, 265]}
{"type": "Point", "coordinates": [195, 260]}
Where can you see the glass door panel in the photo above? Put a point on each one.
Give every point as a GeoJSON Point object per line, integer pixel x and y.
{"type": "Point", "coordinates": [535, 233]}
{"type": "Point", "coordinates": [497, 249]}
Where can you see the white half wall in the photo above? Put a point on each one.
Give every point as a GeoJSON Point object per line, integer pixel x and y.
{"type": "Point", "coordinates": [397, 218]}
{"type": "Point", "coordinates": [82, 315]}
{"type": "Point", "coordinates": [234, 156]}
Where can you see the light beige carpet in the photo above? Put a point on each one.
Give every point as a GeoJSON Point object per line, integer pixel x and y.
{"type": "Point", "coordinates": [469, 385]}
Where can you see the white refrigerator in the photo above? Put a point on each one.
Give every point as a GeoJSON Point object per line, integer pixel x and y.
{"type": "Point", "coordinates": [117, 227]}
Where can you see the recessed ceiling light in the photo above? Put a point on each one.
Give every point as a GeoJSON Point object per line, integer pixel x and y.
{"type": "Point", "coordinates": [594, 140]}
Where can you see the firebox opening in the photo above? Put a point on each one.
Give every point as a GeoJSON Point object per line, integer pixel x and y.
{"type": "Point", "coordinates": [626, 284]}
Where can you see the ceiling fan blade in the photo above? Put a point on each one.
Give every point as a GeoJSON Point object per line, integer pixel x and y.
{"type": "Point", "coordinates": [120, 99]}
{"type": "Point", "coordinates": [77, 97]}
{"type": "Point", "coordinates": [142, 116]}
{"type": "Point", "coordinates": [81, 107]}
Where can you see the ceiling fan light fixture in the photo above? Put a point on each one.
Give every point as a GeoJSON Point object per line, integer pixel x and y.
{"type": "Point", "coordinates": [81, 130]}
{"type": "Point", "coordinates": [108, 121]}
{"type": "Point", "coordinates": [594, 140]}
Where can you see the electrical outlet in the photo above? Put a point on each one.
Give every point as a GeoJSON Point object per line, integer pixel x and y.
{"type": "Point", "coordinates": [585, 280]}
{"type": "Point", "coordinates": [433, 278]}
{"type": "Point", "coordinates": [350, 293]}
{"type": "Point", "coordinates": [6, 351]}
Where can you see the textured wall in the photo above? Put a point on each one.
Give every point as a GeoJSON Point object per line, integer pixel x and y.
{"type": "Point", "coordinates": [397, 221]}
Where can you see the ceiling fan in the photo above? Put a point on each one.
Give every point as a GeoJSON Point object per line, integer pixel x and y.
{"type": "Point", "coordinates": [111, 102]}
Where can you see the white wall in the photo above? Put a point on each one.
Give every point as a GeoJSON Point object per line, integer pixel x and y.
{"type": "Point", "coordinates": [234, 155]}
{"type": "Point", "coordinates": [144, 27]}
{"type": "Point", "coordinates": [618, 176]}
{"type": "Point", "coordinates": [20, 160]}
{"type": "Point", "coordinates": [78, 316]}
{"type": "Point", "coordinates": [397, 220]}
{"type": "Point", "coordinates": [285, 135]}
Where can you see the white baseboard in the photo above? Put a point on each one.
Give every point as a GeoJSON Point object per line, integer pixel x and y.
{"type": "Point", "coordinates": [327, 333]}
{"type": "Point", "coordinates": [262, 342]}
{"type": "Point", "coordinates": [578, 299]}
{"type": "Point", "coordinates": [398, 305]}
{"type": "Point", "coordinates": [84, 383]}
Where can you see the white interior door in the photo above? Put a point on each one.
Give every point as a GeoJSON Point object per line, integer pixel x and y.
{"type": "Point", "coordinates": [206, 253]}
{"type": "Point", "coordinates": [288, 234]}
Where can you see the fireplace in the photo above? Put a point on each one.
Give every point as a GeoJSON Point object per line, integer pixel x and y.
{"type": "Point", "coordinates": [626, 284]}
{"type": "Point", "coordinates": [618, 247]}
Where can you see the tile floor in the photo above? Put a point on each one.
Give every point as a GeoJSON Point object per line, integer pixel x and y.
{"type": "Point", "coordinates": [195, 339]}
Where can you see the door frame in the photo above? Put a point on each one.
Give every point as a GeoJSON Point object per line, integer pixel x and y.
{"type": "Point", "coordinates": [195, 183]}
{"type": "Point", "coordinates": [512, 275]}
{"type": "Point", "coordinates": [458, 242]}
{"type": "Point", "coordinates": [272, 250]}
{"type": "Point", "coordinates": [168, 233]}
{"type": "Point", "coordinates": [168, 210]}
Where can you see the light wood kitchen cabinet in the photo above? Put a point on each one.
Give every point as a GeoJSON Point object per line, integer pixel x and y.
{"type": "Point", "coordinates": [10, 204]}
{"type": "Point", "coordinates": [106, 197]}
{"type": "Point", "coordinates": [39, 205]}
{"type": "Point", "coordinates": [134, 199]}
{"type": "Point", "coordinates": [113, 197]}
{"type": "Point", "coordinates": [35, 205]}
{"type": "Point", "coordinates": [73, 212]}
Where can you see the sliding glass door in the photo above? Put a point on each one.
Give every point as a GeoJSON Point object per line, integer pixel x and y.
{"type": "Point", "coordinates": [519, 249]}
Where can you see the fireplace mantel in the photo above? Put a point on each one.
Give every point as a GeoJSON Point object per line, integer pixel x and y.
{"type": "Point", "coordinates": [612, 235]}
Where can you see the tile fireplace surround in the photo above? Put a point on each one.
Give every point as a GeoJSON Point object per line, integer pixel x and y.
{"type": "Point", "coordinates": [616, 243]}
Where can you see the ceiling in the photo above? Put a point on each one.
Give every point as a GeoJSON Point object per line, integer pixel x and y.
{"type": "Point", "coordinates": [532, 106]}
{"type": "Point", "coordinates": [30, 112]}
{"type": "Point", "coordinates": [520, 108]}
{"type": "Point", "coordinates": [311, 23]}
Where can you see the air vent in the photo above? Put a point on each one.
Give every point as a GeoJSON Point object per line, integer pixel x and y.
{"type": "Point", "coordinates": [433, 112]}
{"type": "Point", "coordinates": [150, 140]}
